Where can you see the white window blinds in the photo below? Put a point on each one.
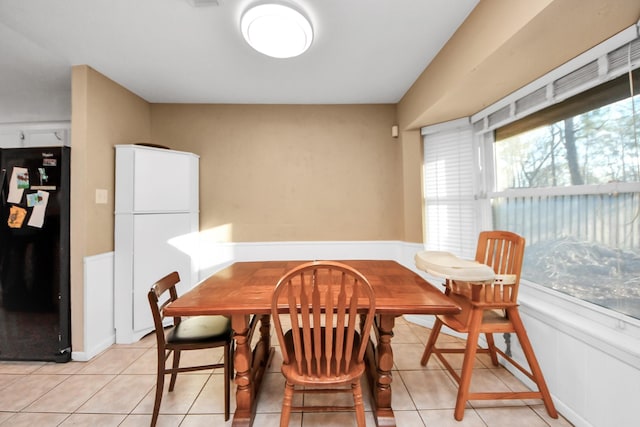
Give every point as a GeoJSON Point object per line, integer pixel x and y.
{"type": "Point", "coordinates": [452, 214]}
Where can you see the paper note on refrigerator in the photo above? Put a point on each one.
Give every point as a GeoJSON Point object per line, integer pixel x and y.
{"type": "Point", "coordinates": [34, 199]}
{"type": "Point", "coordinates": [19, 181]}
{"type": "Point", "coordinates": [16, 216]}
{"type": "Point", "coordinates": [37, 214]}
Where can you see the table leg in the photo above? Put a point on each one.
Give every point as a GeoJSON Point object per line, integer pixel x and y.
{"type": "Point", "coordinates": [249, 365]}
{"type": "Point", "coordinates": [265, 331]}
{"type": "Point", "coordinates": [242, 365]}
{"type": "Point", "coordinates": [380, 360]}
{"type": "Point", "coordinates": [262, 353]}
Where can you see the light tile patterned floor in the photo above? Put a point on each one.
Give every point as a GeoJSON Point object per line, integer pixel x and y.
{"type": "Point", "coordinates": [117, 387]}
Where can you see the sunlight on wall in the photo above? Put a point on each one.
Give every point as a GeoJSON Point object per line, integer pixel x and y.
{"type": "Point", "coordinates": [208, 248]}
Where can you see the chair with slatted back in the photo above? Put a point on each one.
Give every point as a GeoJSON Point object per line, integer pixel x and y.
{"type": "Point", "coordinates": [488, 307]}
{"type": "Point", "coordinates": [323, 352]}
{"type": "Point", "coordinates": [193, 333]}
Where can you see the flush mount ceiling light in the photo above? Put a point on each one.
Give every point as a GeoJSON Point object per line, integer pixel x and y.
{"type": "Point", "coordinates": [276, 30]}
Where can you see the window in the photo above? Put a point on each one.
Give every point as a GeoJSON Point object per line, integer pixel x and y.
{"type": "Point", "coordinates": [564, 172]}
{"type": "Point", "coordinates": [572, 187]}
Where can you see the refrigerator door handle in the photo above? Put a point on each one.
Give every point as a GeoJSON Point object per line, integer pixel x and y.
{"type": "Point", "coordinates": [3, 175]}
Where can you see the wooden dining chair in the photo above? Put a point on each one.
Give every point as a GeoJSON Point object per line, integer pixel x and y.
{"type": "Point", "coordinates": [323, 352]}
{"type": "Point", "coordinates": [489, 307]}
{"type": "Point", "coordinates": [193, 333]}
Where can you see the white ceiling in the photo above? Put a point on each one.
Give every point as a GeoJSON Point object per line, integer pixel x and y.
{"type": "Point", "coordinates": [364, 51]}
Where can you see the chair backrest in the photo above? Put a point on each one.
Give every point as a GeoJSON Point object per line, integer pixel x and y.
{"type": "Point", "coordinates": [324, 300]}
{"type": "Point", "coordinates": [158, 300]}
{"type": "Point", "coordinates": [503, 251]}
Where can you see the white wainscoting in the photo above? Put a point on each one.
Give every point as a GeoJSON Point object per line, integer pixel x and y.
{"type": "Point", "coordinates": [590, 357]}
{"type": "Point", "coordinates": [216, 256]}
{"type": "Point", "coordinates": [99, 330]}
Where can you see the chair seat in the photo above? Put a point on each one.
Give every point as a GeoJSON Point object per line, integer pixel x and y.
{"type": "Point", "coordinates": [314, 377]}
{"type": "Point", "coordinates": [201, 329]}
{"type": "Point", "coordinates": [447, 265]}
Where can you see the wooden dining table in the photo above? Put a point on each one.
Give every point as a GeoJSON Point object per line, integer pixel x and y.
{"type": "Point", "coordinates": [243, 292]}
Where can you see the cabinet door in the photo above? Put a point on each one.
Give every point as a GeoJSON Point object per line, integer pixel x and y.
{"type": "Point", "coordinates": [158, 250]}
{"type": "Point", "coordinates": [162, 180]}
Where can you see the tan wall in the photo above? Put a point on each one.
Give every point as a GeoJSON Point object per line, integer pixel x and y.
{"type": "Point", "coordinates": [291, 173]}
{"type": "Point", "coordinates": [103, 114]}
{"type": "Point", "coordinates": [411, 142]}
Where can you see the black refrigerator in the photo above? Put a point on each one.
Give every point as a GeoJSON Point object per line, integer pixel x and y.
{"type": "Point", "coordinates": [35, 314]}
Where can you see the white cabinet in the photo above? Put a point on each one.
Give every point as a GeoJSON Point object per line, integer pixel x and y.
{"type": "Point", "coordinates": [156, 224]}
{"type": "Point", "coordinates": [154, 180]}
